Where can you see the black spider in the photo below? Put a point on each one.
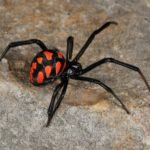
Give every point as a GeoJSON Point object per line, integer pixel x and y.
{"type": "Point", "coordinates": [49, 65]}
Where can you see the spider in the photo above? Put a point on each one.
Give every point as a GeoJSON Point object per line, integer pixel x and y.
{"type": "Point", "coordinates": [49, 65]}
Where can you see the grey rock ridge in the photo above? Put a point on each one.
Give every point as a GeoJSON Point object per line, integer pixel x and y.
{"type": "Point", "coordinates": [89, 118]}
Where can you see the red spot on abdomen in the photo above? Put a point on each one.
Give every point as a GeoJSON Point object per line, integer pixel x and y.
{"type": "Point", "coordinates": [58, 66]}
{"type": "Point", "coordinates": [39, 60]}
{"type": "Point", "coordinates": [59, 55]}
{"type": "Point", "coordinates": [40, 77]}
{"type": "Point", "coordinates": [31, 77]}
{"type": "Point", "coordinates": [48, 70]}
{"type": "Point", "coordinates": [33, 67]}
{"type": "Point", "coordinates": [48, 55]}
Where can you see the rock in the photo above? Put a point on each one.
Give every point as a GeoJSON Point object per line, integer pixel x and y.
{"type": "Point", "coordinates": [89, 118]}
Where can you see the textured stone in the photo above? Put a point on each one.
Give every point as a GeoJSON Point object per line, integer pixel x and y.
{"type": "Point", "coordinates": [89, 118]}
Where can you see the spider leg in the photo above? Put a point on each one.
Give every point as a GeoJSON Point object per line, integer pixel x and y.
{"type": "Point", "coordinates": [108, 89]}
{"type": "Point", "coordinates": [69, 48]}
{"type": "Point", "coordinates": [112, 60]}
{"type": "Point", "coordinates": [20, 43]}
{"type": "Point", "coordinates": [91, 38]}
{"type": "Point", "coordinates": [62, 87]}
{"type": "Point", "coordinates": [51, 106]}
{"type": "Point", "coordinates": [61, 96]}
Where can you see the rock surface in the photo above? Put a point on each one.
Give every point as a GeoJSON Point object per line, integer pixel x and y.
{"type": "Point", "coordinates": [89, 118]}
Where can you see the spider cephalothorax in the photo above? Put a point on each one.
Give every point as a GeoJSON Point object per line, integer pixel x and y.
{"type": "Point", "coordinates": [49, 65]}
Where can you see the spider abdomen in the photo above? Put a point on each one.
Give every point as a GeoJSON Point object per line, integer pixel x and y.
{"type": "Point", "coordinates": [46, 66]}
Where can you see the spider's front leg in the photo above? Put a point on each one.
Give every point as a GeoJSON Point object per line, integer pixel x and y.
{"type": "Point", "coordinates": [91, 38]}
{"type": "Point", "coordinates": [69, 48]}
{"type": "Point", "coordinates": [108, 89]}
{"type": "Point", "coordinates": [20, 43]}
{"type": "Point", "coordinates": [57, 97]}
{"type": "Point", "coordinates": [103, 61]}
{"type": "Point", "coordinates": [112, 60]}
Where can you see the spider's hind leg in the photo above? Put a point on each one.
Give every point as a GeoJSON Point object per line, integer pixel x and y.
{"type": "Point", "coordinates": [20, 43]}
